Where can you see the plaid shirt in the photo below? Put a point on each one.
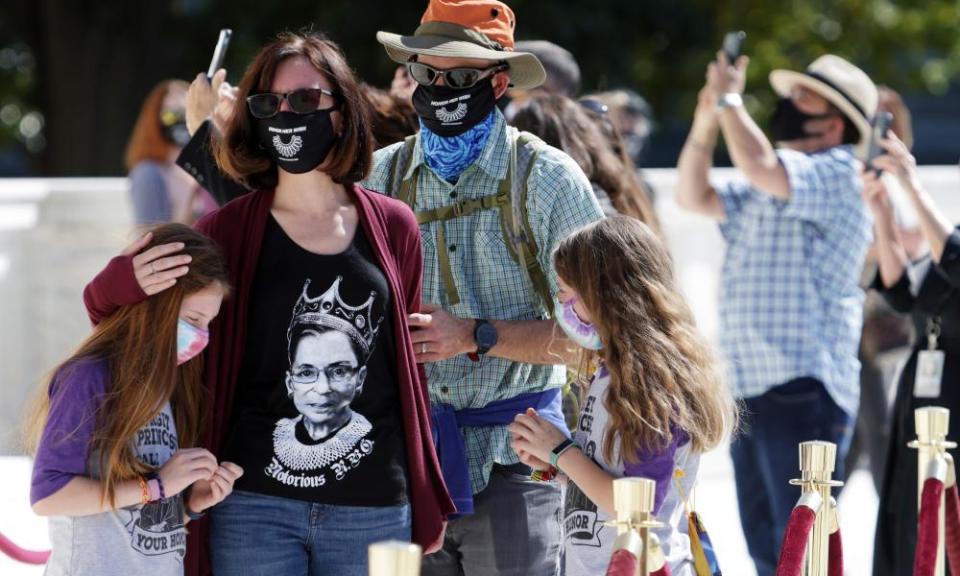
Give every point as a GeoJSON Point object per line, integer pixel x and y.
{"type": "Point", "coordinates": [491, 284]}
{"type": "Point", "coordinates": [790, 303]}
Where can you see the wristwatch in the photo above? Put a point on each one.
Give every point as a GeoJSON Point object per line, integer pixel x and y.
{"type": "Point", "coordinates": [730, 100]}
{"type": "Point", "coordinates": [485, 335]}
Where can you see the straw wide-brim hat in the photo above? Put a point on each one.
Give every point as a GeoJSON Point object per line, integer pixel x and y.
{"type": "Point", "coordinates": [842, 84]}
{"type": "Point", "coordinates": [481, 29]}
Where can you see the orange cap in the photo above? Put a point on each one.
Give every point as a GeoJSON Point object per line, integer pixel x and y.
{"type": "Point", "coordinates": [493, 19]}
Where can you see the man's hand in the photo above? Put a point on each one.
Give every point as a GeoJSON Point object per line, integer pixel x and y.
{"type": "Point", "coordinates": [440, 335]}
{"type": "Point", "coordinates": [202, 98]}
{"type": "Point", "coordinates": [724, 77]}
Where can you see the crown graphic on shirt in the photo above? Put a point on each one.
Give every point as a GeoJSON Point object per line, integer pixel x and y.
{"type": "Point", "coordinates": [328, 310]}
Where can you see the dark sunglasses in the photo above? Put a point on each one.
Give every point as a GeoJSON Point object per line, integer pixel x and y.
{"type": "Point", "coordinates": [302, 101]}
{"type": "Point", "coordinates": [455, 77]}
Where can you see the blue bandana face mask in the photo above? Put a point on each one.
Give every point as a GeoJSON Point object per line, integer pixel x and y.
{"type": "Point", "coordinates": [449, 156]}
{"type": "Point", "coordinates": [583, 333]}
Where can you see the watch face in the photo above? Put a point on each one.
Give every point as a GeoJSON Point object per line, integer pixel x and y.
{"type": "Point", "coordinates": [486, 335]}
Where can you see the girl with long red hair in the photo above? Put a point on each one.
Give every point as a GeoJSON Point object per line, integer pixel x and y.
{"type": "Point", "coordinates": [114, 429]}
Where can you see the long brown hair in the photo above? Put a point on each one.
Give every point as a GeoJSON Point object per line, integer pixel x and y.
{"type": "Point", "coordinates": [239, 153]}
{"type": "Point", "coordinates": [139, 344]}
{"type": "Point", "coordinates": [565, 124]}
{"type": "Point", "coordinates": [662, 371]}
{"type": "Point", "coordinates": [147, 141]}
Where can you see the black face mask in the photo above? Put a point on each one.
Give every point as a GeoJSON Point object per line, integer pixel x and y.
{"type": "Point", "coordinates": [177, 134]}
{"type": "Point", "coordinates": [451, 112]}
{"type": "Point", "coordinates": [298, 143]}
{"type": "Point", "coordinates": [787, 122]}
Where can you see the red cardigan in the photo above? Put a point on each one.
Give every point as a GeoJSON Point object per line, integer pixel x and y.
{"type": "Point", "coordinates": [238, 228]}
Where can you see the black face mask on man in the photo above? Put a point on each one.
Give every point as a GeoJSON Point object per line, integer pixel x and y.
{"type": "Point", "coordinates": [789, 123]}
{"type": "Point", "coordinates": [298, 143]}
{"type": "Point", "coordinates": [449, 111]}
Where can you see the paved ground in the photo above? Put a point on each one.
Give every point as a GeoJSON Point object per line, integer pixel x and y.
{"type": "Point", "coordinates": [715, 498]}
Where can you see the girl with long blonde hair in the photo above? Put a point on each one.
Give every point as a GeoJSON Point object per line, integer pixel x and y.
{"type": "Point", "coordinates": [654, 404]}
{"type": "Point", "coordinates": [114, 430]}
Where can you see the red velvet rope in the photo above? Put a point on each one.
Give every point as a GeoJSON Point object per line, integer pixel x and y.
{"type": "Point", "coordinates": [622, 563]}
{"type": "Point", "coordinates": [925, 560]}
{"type": "Point", "coordinates": [835, 563]}
{"type": "Point", "coordinates": [952, 537]}
{"type": "Point", "coordinates": [21, 555]}
{"type": "Point", "coordinates": [795, 541]}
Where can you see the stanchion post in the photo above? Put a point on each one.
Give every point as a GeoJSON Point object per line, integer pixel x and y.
{"type": "Point", "coordinates": [817, 463]}
{"type": "Point", "coordinates": [633, 499]}
{"type": "Point", "coordinates": [932, 424]}
{"type": "Point", "coordinates": [394, 558]}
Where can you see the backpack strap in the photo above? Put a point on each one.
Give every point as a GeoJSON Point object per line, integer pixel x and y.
{"type": "Point", "coordinates": [402, 189]}
{"type": "Point", "coordinates": [515, 220]}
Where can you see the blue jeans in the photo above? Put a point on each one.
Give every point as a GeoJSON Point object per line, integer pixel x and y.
{"type": "Point", "coordinates": [255, 534]}
{"type": "Point", "coordinates": [766, 456]}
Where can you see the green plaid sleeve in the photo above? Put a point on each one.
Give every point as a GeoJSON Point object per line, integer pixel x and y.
{"type": "Point", "coordinates": [379, 178]}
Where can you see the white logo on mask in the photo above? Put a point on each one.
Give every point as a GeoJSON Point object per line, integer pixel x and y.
{"type": "Point", "coordinates": [458, 114]}
{"type": "Point", "coordinates": [288, 149]}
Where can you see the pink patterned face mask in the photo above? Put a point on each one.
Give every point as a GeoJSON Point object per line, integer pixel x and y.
{"type": "Point", "coordinates": [190, 341]}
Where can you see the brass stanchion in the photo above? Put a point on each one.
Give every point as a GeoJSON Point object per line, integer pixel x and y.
{"type": "Point", "coordinates": [633, 499]}
{"type": "Point", "coordinates": [932, 424]}
{"type": "Point", "coordinates": [817, 463]}
{"type": "Point", "coordinates": [394, 558]}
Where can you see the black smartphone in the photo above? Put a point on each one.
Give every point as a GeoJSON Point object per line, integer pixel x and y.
{"type": "Point", "coordinates": [219, 53]}
{"type": "Point", "coordinates": [881, 123]}
{"type": "Point", "coordinates": [733, 45]}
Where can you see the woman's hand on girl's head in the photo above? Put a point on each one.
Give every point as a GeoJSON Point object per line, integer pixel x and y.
{"type": "Point", "coordinates": [155, 269]}
{"type": "Point", "coordinates": [207, 493]}
{"type": "Point", "coordinates": [534, 436]}
{"type": "Point", "coordinates": [186, 467]}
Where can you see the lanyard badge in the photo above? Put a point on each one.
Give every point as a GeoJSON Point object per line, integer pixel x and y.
{"type": "Point", "coordinates": [929, 375]}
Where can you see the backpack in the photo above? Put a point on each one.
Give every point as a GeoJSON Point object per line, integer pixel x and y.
{"type": "Point", "coordinates": [510, 199]}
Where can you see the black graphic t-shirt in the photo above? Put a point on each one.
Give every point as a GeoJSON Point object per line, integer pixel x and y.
{"type": "Point", "coordinates": [317, 409]}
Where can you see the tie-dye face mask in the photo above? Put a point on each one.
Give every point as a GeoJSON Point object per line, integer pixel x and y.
{"type": "Point", "coordinates": [583, 333]}
{"type": "Point", "coordinates": [190, 341]}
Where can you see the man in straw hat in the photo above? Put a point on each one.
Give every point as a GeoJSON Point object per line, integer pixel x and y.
{"type": "Point", "coordinates": [796, 233]}
{"type": "Point", "coordinates": [492, 203]}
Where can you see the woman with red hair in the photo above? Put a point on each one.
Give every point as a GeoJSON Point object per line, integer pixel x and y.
{"type": "Point", "coordinates": [161, 191]}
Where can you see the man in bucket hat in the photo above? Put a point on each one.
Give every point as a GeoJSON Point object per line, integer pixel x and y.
{"type": "Point", "coordinates": [790, 308]}
{"type": "Point", "coordinates": [492, 203]}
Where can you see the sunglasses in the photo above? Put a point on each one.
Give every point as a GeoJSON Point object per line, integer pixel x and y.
{"type": "Point", "coordinates": [458, 78]}
{"type": "Point", "coordinates": [302, 101]}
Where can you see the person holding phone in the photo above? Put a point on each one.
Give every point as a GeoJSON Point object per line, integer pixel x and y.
{"type": "Point", "coordinates": [312, 373]}
{"type": "Point", "coordinates": [929, 290]}
{"type": "Point", "coordinates": [797, 232]}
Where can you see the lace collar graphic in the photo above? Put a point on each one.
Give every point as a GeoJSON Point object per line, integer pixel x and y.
{"type": "Point", "coordinates": [300, 457]}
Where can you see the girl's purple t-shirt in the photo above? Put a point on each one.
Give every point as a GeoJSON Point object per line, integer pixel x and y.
{"type": "Point", "coordinates": [76, 394]}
